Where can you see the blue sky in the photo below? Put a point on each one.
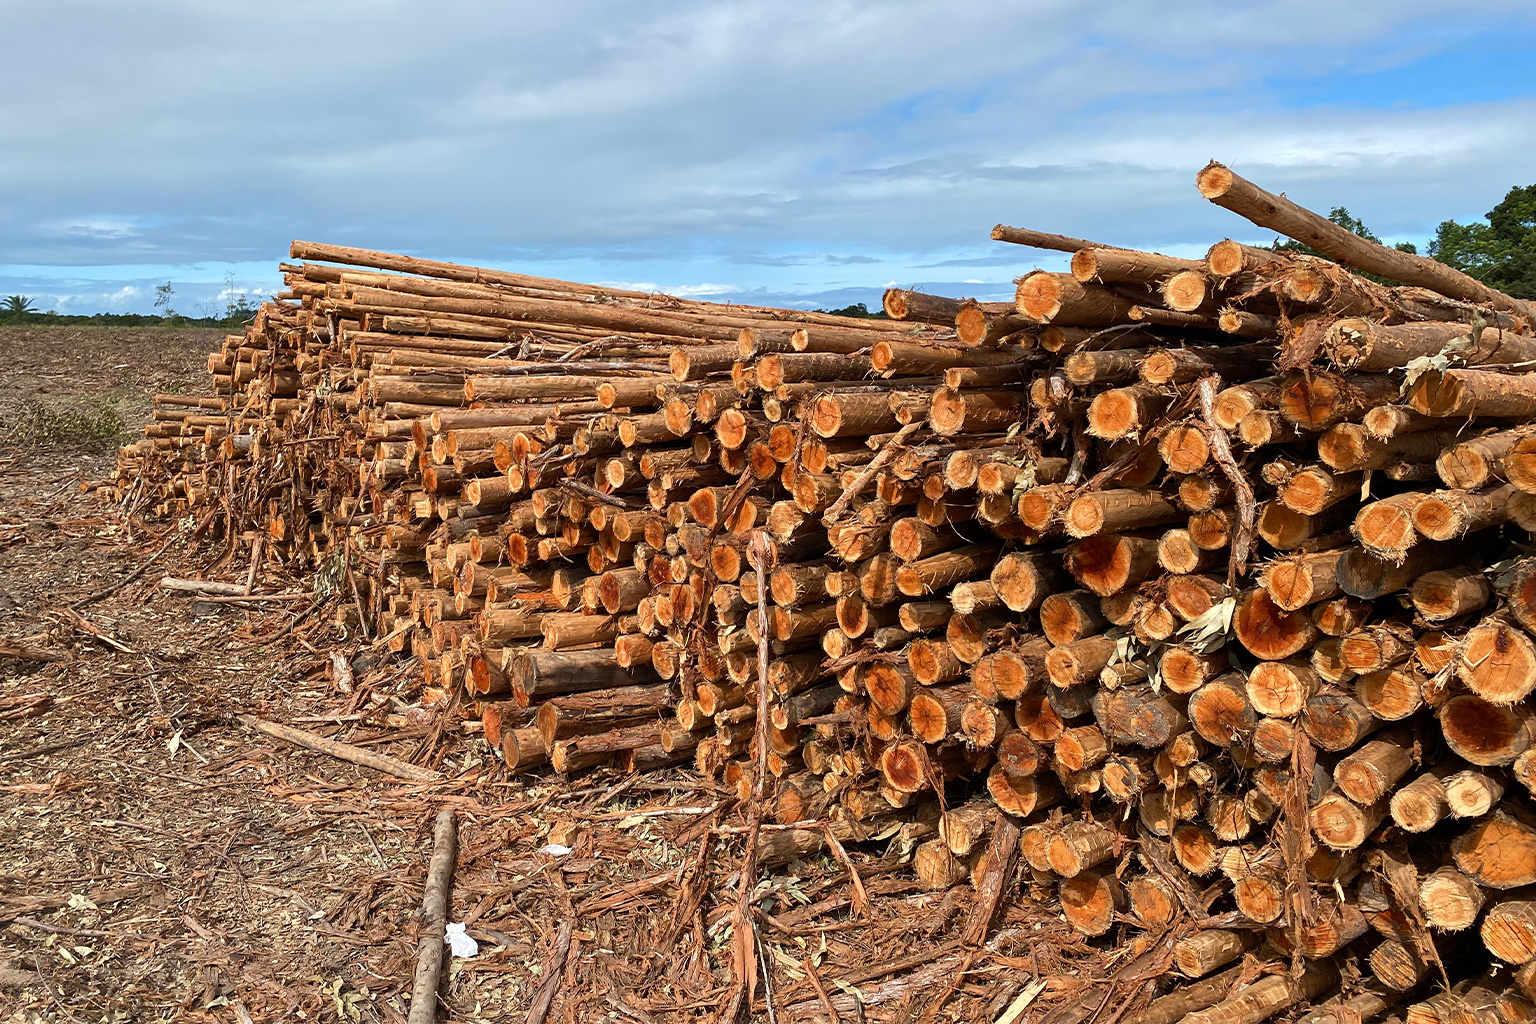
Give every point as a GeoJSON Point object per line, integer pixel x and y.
{"type": "Point", "coordinates": [803, 154]}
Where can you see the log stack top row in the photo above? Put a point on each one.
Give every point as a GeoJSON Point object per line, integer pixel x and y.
{"type": "Point", "coordinates": [1176, 590]}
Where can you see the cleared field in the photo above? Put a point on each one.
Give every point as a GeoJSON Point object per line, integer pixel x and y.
{"type": "Point", "coordinates": [88, 387]}
{"type": "Point", "coordinates": [161, 861]}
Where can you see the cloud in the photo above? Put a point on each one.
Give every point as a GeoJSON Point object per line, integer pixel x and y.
{"type": "Point", "coordinates": [699, 291]}
{"type": "Point", "coordinates": [100, 228]}
{"type": "Point", "coordinates": [683, 140]}
{"type": "Point", "coordinates": [1003, 259]}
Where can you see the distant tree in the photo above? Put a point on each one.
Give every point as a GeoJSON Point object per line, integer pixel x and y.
{"type": "Point", "coordinates": [163, 295]}
{"type": "Point", "coordinates": [1500, 253]}
{"type": "Point", "coordinates": [16, 305]}
{"type": "Point", "coordinates": [858, 309]}
{"type": "Point", "coordinates": [237, 305]}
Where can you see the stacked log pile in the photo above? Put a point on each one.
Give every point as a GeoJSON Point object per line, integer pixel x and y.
{"type": "Point", "coordinates": [1186, 591]}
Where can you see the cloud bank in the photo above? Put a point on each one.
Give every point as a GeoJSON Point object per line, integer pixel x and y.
{"type": "Point", "coordinates": [803, 153]}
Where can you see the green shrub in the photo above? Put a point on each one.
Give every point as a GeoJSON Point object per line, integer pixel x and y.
{"type": "Point", "coordinates": [84, 423]}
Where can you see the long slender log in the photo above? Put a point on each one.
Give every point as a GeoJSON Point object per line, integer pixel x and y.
{"type": "Point", "coordinates": [1362, 346]}
{"type": "Point", "coordinates": [1126, 266]}
{"type": "Point", "coordinates": [1480, 393]}
{"type": "Point", "coordinates": [1188, 999]}
{"type": "Point", "coordinates": [1230, 191]}
{"type": "Point", "coordinates": [1115, 510]}
{"type": "Point", "coordinates": [1509, 931]}
{"type": "Point", "coordinates": [1364, 575]}
{"type": "Point", "coordinates": [434, 917]}
{"type": "Point", "coordinates": [1450, 593]}
{"type": "Point", "coordinates": [344, 751]}
{"type": "Point", "coordinates": [1269, 631]}
{"type": "Point", "coordinates": [1041, 239]}
{"type": "Point", "coordinates": [904, 304]}
{"type": "Point", "coordinates": [1315, 401]}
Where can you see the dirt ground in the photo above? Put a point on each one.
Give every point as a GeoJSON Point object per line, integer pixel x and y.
{"type": "Point", "coordinates": [160, 860]}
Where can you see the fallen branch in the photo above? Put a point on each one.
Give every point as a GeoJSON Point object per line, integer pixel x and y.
{"type": "Point", "coordinates": [344, 751]}
{"type": "Point", "coordinates": [821, 991]}
{"type": "Point", "coordinates": [203, 586]}
{"type": "Point", "coordinates": [588, 491]}
{"type": "Point", "coordinates": [254, 598]}
{"type": "Point", "coordinates": [886, 453]}
{"type": "Point", "coordinates": [861, 904]}
{"type": "Point", "coordinates": [32, 653]}
{"type": "Point", "coordinates": [250, 578]}
{"type": "Point", "coordinates": [1001, 858]}
{"type": "Point", "coordinates": [554, 969]}
{"type": "Point", "coordinates": [434, 918]}
{"type": "Point", "coordinates": [39, 751]}
{"type": "Point", "coordinates": [1247, 506]}
{"type": "Point", "coordinates": [88, 933]}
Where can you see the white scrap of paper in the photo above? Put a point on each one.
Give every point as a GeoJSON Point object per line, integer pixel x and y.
{"type": "Point", "coordinates": [459, 941]}
{"type": "Point", "coordinates": [555, 850]}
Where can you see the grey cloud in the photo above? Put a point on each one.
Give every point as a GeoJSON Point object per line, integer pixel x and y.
{"type": "Point", "coordinates": [1005, 259]}
{"type": "Point", "coordinates": [757, 259]}
{"type": "Point", "coordinates": [755, 134]}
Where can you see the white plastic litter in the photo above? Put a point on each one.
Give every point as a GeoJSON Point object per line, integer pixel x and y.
{"type": "Point", "coordinates": [459, 942]}
{"type": "Point", "coordinates": [555, 850]}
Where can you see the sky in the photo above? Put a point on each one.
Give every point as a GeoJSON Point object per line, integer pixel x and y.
{"type": "Point", "coordinates": [805, 154]}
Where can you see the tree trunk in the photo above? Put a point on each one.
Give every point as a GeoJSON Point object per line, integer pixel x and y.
{"type": "Point", "coordinates": [1450, 593]}
{"type": "Point", "coordinates": [1080, 661]}
{"type": "Point", "coordinates": [1363, 575]}
{"type": "Point", "coordinates": [1024, 580]}
{"type": "Point", "coordinates": [1486, 734]}
{"type": "Point", "coordinates": [1370, 773]}
{"type": "Point", "coordinates": [1509, 931]}
{"type": "Point", "coordinates": [1447, 515]}
{"type": "Point", "coordinates": [1109, 563]}
{"type": "Point", "coordinates": [1499, 851]}
{"type": "Point", "coordinates": [1498, 662]}
{"type": "Point", "coordinates": [1397, 966]}
{"type": "Point", "coordinates": [1481, 393]}
{"type": "Point", "coordinates": [1471, 465]}
{"type": "Point", "coordinates": [1115, 510]}
{"type": "Point", "coordinates": [1281, 688]}
{"type": "Point", "coordinates": [1124, 412]}
{"type": "Point", "coordinates": [1090, 901]}
{"type": "Point", "coordinates": [1366, 347]}
{"type": "Point", "coordinates": [1060, 298]}
{"type": "Point", "coordinates": [1219, 711]}
{"type": "Point", "coordinates": [1341, 823]}
{"type": "Point", "coordinates": [1450, 899]}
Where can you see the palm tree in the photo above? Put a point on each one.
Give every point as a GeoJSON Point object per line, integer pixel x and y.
{"type": "Point", "coordinates": [17, 304]}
